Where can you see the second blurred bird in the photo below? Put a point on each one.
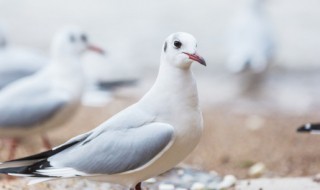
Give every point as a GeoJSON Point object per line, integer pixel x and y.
{"type": "Point", "coordinates": [251, 46]}
{"type": "Point", "coordinates": [50, 97]}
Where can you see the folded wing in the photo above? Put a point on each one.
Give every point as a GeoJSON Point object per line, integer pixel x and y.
{"type": "Point", "coordinates": [110, 152]}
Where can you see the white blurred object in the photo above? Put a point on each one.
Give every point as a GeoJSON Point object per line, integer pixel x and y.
{"type": "Point", "coordinates": [280, 183]}
{"type": "Point", "coordinates": [227, 182]}
{"type": "Point", "coordinates": [103, 77]}
{"type": "Point", "coordinates": [198, 186]}
{"type": "Point", "coordinates": [251, 43]}
{"type": "Point", "coordinates": [257, 170]}
{"type": "Point", "coordinates": [254, 122]}
{"type": "Point", "coordinates": [17, 62]}
{"type": "Point", "coordinates": [100, 70]}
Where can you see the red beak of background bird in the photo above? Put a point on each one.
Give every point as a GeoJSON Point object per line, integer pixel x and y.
{"type": "Point", "coordinates": [96, 49]}
{"type": "Point", "coordinates": [196, 58]}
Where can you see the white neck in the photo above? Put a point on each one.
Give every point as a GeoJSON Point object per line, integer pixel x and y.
{"type": "Point", "coordinates": [173, 85]}
{"type": "Point", "coordinates": [67, 74]}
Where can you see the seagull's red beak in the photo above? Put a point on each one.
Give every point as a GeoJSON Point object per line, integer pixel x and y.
{"type": "Point", "coordinates": [196, 58]}
{"type": "Point", "coordinates": [96, 49]}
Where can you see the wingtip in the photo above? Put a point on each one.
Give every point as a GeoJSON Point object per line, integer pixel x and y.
{"type": "Point", "coordinates": [311, 128]}
{"type": "Point", "coordinates": [305, 128]}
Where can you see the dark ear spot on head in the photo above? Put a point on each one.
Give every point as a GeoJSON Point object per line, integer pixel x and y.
{"type": "Point", "coordinates": [84, 38]}
{"type": "Point", "coordinates": [165, 47]}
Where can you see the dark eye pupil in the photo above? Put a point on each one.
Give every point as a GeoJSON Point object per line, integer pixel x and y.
{"type": "Point", "coordinates": [177, 44]}
{"type": "Point", "coordinates": [84, 38]}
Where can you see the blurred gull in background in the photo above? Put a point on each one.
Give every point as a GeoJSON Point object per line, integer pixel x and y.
{"type": "Point", "coordinates": [50, 97]}
{"type": "Point", "coordinates": [250, 44]}
{"type": "Point", "coordinates": [142, 141]}
{"type": "Point", "coordinates": [17, 62]}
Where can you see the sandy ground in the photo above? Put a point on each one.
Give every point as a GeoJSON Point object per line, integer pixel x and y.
{"type": "Point", "coordinates": [229, 147]}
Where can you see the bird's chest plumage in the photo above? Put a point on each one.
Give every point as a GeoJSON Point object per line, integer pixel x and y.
{"type": "Point", "coordinates": [188, 131]}
{"type": "Point", "coordinates": [184, 114]}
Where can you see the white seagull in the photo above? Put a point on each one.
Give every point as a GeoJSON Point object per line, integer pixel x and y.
{"type": "Point", "coordinates": [50, 97]}
{"type": "Point", "coordinates": [250, 42]}
{"type": "Point", "coordinates": [142, 141]}
{"type": "Point", "coordinates": [17, 62]}
{"type": "Point", "coordinates": [310, 128]}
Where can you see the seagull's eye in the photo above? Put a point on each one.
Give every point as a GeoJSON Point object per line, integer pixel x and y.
{"type": "Point", "coordinates": [72, 38]}
{"type": "Point", "coordinates": [177, 44]}
{"type": "Point", "coordinates": [84, 38]}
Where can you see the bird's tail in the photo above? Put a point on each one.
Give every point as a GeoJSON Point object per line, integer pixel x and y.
{"type": "Point", "coordinates": [29, 166]}
{"type": "Point", "coordinates": [25, 168]}
{"type": "Point", "coordinates": [310, 128]}
{"type": "Point", "coordinates": [24, 171]}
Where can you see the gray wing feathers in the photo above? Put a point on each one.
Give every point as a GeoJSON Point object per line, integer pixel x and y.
{"type": "Point", "coordinates": [29, 106]}
{"type": "Point", "coordinates": [116, 151]}
{"type": "Point", "coordinates": [9, 77]}
{"type": "Point", "coordinates": [29, 113]}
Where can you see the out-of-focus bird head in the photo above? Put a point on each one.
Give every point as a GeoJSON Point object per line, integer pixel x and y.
{"type": "Point", "coordinates": [72, 41]}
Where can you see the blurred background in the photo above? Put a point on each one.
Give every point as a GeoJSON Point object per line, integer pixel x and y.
{"type": "Point", "coordinates": [241, 129]}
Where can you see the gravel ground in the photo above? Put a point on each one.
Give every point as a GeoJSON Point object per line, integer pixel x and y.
{"type": "Point", "coordinates": [182, 178]}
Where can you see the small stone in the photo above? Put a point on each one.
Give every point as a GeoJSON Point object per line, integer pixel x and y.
{"type": "Point", "coordinates": [198, 186]}
{"type": "Point", "coordinates": [180, 172]}
{"type": "Point", "coordinates": [227, 182]}
{"type": "Point", "coordinates": [257, 170]}
{"type": "Point", "coordinates": [165, 186]}
{"type": "Point", "coordinates": [254, 122]}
